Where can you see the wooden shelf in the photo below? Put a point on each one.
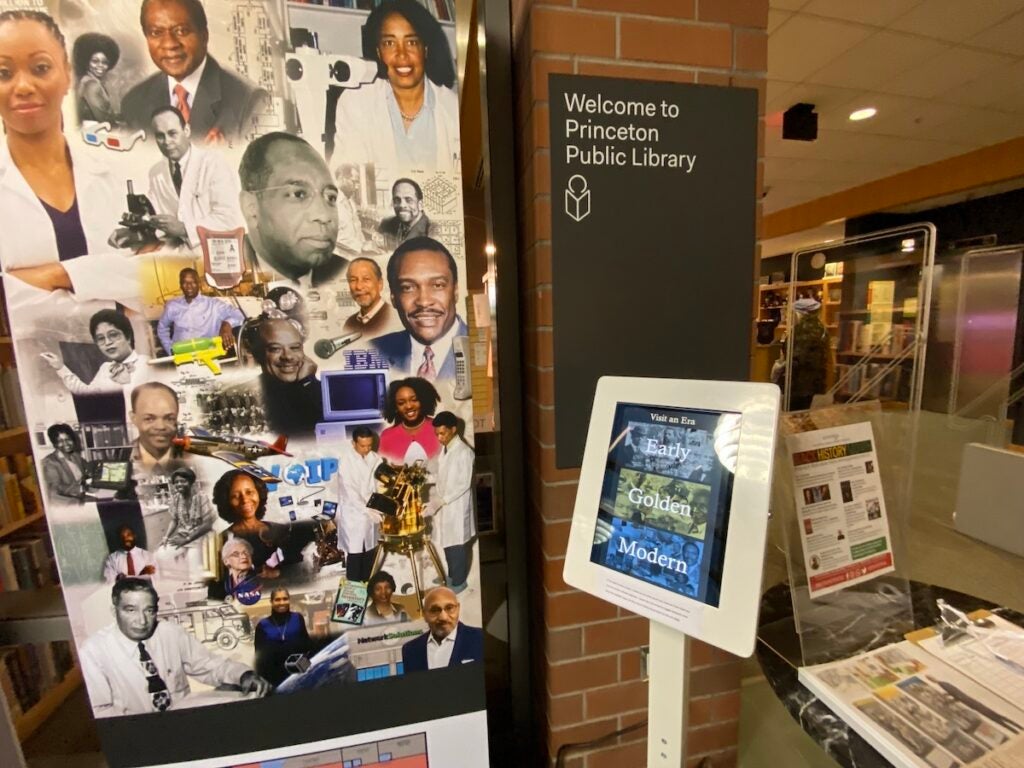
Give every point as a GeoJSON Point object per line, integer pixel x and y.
{"type": "Point", "coordinates": [29, 722]}
{"type": "Point", "coordinates": [14, 441]}
{"type": "Point", "coordinates": [10, 528]}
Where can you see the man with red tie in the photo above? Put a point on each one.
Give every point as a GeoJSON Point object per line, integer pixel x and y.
{"type": "Point", "coordinates": [215, 103]}
{"type": "Point", "coordinates": [129, 560]}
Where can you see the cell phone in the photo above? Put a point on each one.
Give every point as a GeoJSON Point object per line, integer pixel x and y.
{"type": "Point", "coordinates": [463, 385]}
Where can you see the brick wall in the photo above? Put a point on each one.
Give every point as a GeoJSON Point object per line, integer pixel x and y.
{"type": "Point", "coordinates": [587, 668]}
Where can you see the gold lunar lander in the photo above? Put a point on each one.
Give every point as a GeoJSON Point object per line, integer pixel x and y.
{"type": "Point", "coordinates": [403, 530]}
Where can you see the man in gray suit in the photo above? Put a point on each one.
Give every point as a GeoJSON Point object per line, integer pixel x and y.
{"type": "Point", "coordinates": [215, 103]}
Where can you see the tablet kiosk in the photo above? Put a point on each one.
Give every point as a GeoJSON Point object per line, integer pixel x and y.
{"type": "Point", "coordinates": [670, 522]}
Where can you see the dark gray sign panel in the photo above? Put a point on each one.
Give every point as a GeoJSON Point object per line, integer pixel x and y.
{"type": "Point", "coordinates": [653, 211]}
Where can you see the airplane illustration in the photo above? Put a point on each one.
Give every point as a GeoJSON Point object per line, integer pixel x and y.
{"type": "Point", "coordinates": [237, 451]}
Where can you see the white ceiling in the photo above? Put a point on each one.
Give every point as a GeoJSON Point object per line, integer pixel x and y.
{"type": "Point", "coordinates": [947, 77]}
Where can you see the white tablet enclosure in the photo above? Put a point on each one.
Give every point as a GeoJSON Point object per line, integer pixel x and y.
{"type": "Point", "coordinates": [678, 473]}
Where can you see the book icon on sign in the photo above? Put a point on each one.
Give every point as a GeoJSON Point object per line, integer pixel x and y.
{"type": "Point", "coordinates": [577, 198]}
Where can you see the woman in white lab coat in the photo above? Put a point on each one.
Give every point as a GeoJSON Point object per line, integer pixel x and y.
{"type": "Point", "coordinates": [408, 118]}
{"type": "Point", "coordinates": [451, 502]}
{"type": "Point", "coordinates": [358, 527]}
{"type": "Point", "coordinates": [58, 203]}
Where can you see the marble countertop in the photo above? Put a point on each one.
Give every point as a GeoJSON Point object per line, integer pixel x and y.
{"type": "Point", "coordinates": [779, 654]}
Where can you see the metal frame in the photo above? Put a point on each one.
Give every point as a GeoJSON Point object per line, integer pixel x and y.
{"type": "Point", "coordinates": [496, 83]}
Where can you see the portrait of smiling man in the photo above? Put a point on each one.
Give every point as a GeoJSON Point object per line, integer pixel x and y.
{"type": "Point", "coordinates": [409, 220]}
{"type": "Point", "coordinates": [290, 205]}
{"type": "Point", "coordinates": [155, 417]}
{"type": "Point", "coordinates": [292, 399]}
{"type": "Point", "coordinates": [424, 283]}
{"type": "Point", "coordinates": [447, 642]}
{"type": "Point", "coordinates": [366, 285]}
{"type": "Point", "coordinates": [215, 103]}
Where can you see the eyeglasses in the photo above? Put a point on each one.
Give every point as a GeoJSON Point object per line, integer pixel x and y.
{"type": "Point", "coordinates": [179, 32]}
{"type": "Point", "coordinates": [97, 135]}
{"type": "Point", "coordinates": [300, 194]}
{"type": "Point", "coordinates": [437, 610]}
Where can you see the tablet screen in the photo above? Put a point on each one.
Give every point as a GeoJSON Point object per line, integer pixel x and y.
{"type": "Point", "coordinates": [664, 510]}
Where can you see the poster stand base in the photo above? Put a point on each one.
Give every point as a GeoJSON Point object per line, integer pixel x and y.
{"type": "Point", "coordinates": [667, 697]}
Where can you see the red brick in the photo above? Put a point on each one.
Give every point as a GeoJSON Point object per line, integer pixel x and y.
{"type": "Point", "coordinates": [554, 538]}
{"type": "Point", "coordinates": [541, 171]}
{"type": "Point", "coordinates": [540, 387]}
{"type": "Point", "coordinates": [541, 121]}
{"type": "Point", "coordinates": [720, 759]}
{"type": "Point", "coordinates": [572, 676]}
{"type": "Point", "coordinates": [576, 608]}
{"type": "Point", "coordinates": [751, 50]}
{"type": "Point", "coordinates": [739, 13]}
{"type": "Point", "coordinates": [757, 83]}
{"type": "Point", "coordinates": [540, 68]}
{"type": "Point", "coordinates": [672, 43]}
{"type": "Point", "coordinates": [545, 458]}
{"type": "Point", "coordinates": [579, 733]}
{"type": "Point", "coordinates": [542, 218]}
{"type": "Point", "coordinates": [542, 259]}
{"type": "Point", "coordinates": [553, 581]}
{"type": "Point", "coordinates": [636, 72]}
{"type": "Point", "coordinates": [717, 679]}
{"type": "Point", "coordinates": [709, 738]}
{"type": "Point", "coordinates": [714, 78]}
{"type": "Point", "coordinates": [564, 644]}
{"type": "Point", "coordinates": [565, 710]}
{"type": "Point", "coordinates": [558, 499]}
{"type": "Point", "coordinates": [619, 635]}
{"type": "Point", "coordinates": [629, 665]}
{"type": "Point", "coordinates": [714, 709]}
{"type": "Point", "coordinates": [623, 756]}
{"type": "Point", "coordinates": [702, 655]}
{"type": "Point", "coordinates": [616, 699]}
{"type": "Point", "coordinates": [587, 34]}
{"type": "Point", "coordinates": [670, 9]}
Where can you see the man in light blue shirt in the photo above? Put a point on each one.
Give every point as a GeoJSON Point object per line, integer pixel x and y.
{"type": "Point", "coordinates": [194, 316]}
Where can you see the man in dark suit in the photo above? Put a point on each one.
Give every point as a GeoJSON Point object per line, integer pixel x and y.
{"type": "Point", "coordinates": [214, 102]}
{"type": "Point", "coordinates": [290, 206]}
{"type": "Point", "coordinates": [424, 284]}
{"type": "Point", "coordinates": [448, 642]}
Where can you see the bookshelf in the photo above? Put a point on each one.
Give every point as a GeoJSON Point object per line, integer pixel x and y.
{"type": "Point", "coordinates": [19, 524]}
{"type": "Point", "coordinates": [28, 723]}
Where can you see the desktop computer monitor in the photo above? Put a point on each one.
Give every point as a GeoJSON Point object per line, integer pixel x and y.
{"type": "Point", "coordinates": [353, 395]}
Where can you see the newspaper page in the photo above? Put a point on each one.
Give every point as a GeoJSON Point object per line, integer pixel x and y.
{"type": "Point", "coordinates": [989, 650]}
{"type": "Point", "coordinates": [844, 528]}
{"type": "Point", "coordinates": [917, 711]}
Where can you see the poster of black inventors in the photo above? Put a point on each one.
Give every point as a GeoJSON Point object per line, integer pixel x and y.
{"type": "Point", "coordinates": [653, 213]}
{"type": "Point", "coordinates": [242, 344]}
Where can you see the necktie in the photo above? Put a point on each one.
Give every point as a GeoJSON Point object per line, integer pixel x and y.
{"type": "Point", "coordinates": [426, 369]}
{"type": "Point", "coordinates": [157, 687]}
{"type": "Point", "coordinates": [131, 565]}
{"type": "Point", "coordinates": [182, 96]}
{"type": "Point", "coordinates": [176, 176]}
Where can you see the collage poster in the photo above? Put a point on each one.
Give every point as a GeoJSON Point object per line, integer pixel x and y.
{"type": "Point", "coordinates": [234, 265]}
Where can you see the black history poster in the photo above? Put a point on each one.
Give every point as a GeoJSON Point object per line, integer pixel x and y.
{"type": "Point", "coordinates": [652, 235]}
{"type": "Point", "coordinates": [234, 265]}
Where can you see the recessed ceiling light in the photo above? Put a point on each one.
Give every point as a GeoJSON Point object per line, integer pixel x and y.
{"type": "Point", "coordinates": [863, 114]}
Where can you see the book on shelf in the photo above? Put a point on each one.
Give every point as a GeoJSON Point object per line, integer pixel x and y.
{"type": "Point", "coordinates": [19, 489]}
{"type": "Point", "coordinates": [28, 672]}
{"type": "Point", "coordinates": [935, 700]}
{"type": "Point", "coordinates": [12, 407]}
{"type": "Point", "coordinates": [26, 563]}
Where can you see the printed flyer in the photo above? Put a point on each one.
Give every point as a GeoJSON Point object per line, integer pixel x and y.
{"type": "Point", "coordinates": [844, 528]}
{"type": "Point", "coordinates": [238, 301]}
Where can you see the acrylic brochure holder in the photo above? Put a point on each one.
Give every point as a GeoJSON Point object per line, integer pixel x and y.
{"type": "Point", "coordinates": [670, 521]}
{"type": "Point", "coordinates": [843, 479]}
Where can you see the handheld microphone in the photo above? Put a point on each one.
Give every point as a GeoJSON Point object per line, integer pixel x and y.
{"type": "Point", "coordinates": [324, 348]}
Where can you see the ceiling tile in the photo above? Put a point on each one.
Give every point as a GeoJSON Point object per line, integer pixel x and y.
{"type": "Point", "coordinates": [777, 18]}
{"type": "Point", "coordinates": [954, 67]}
{"type": "Point", "coordinates": [878, 59]}
{"type": "Point", "coordinates": [877, 13]}
{"type": "Point", "coordinates": [955, 20]}
{"type": "Point", "coordinates": [1005, 37]}
{"type": "Point", "coordinates": [1001, 89]}
{"type": "Point", "coordinates": [897, 115]}
{"type": "Point", "coordinates": [777, 89]}
{"type": "Point", "coordinates": [804, 45]}
{"type": "Point", "coordinates": [980, 128]}
{"type": "Point", "coordinates": [825, 98]}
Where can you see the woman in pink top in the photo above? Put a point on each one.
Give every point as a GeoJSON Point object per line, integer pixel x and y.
{"type": "Point", "coordinates": [410, 404]}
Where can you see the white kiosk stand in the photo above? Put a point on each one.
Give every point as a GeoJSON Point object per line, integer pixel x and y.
{"type": "Point", "coordinates": [670, 523]}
